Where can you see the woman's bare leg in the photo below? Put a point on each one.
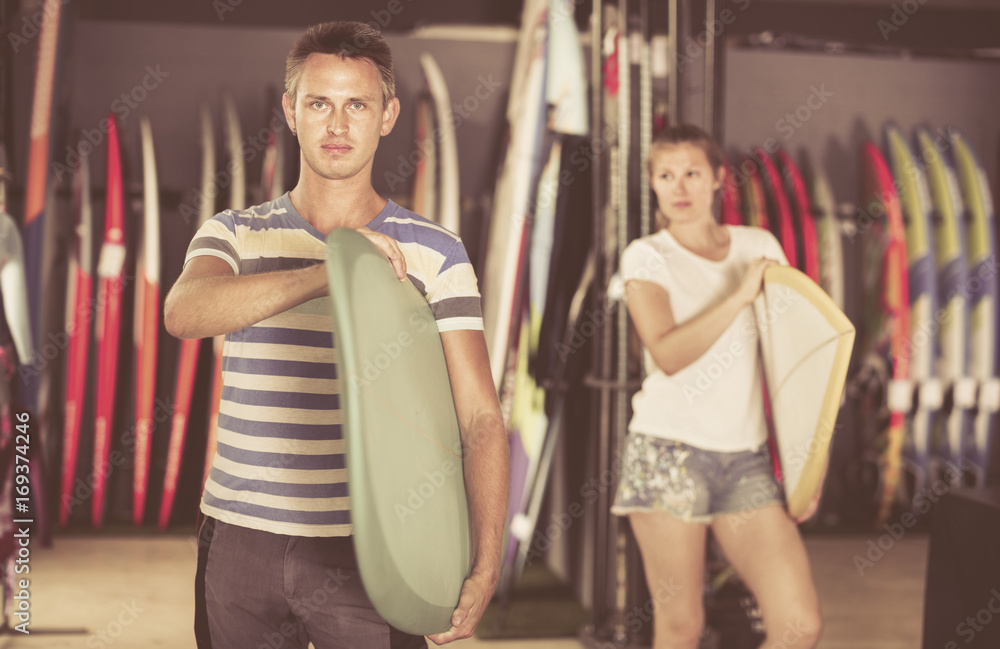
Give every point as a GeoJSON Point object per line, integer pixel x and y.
{"type": "Point", "coordinates": [765, 548]}
{"type": "Point", "coordinates": [673, 553]}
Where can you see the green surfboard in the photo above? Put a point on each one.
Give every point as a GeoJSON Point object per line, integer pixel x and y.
{"type": "Point", "coordinates": [404, 461]}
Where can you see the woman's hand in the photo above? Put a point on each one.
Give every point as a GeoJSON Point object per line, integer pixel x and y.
{"type": "Point", "coordinates": [811, 510]}
{"type": "Point", "coordinates": [753, 279]}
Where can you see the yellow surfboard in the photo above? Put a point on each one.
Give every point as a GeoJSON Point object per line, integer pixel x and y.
{"type": "Point", "coordinates": [806, 343]}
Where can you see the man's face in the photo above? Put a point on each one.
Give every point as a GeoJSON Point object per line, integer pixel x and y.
{"type": "Point", "coordinates": [338, 115]}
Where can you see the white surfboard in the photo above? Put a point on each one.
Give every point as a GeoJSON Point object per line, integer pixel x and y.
{"type": "Point", "coordinates": [13, 282]}
{"type": "Point", "coordinates": [831, 255]}
{"type": "Point", "coordinates": [232, 131]}
{"type": "Point", "coordinates": [512, 199]}
{"type": "Point", "coordinates": [146, 323]}
{"type": "Point", "coordinates": [237, 157]}
{"type": "Point", "coordinates": [805, 343]}
{"type": "Point", "coordinates": [448, 214]}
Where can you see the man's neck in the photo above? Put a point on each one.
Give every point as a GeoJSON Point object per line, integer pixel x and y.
{"type": "Point", "coordinates": [330, 204]}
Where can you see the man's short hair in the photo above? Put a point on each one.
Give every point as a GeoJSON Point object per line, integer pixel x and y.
{"type": "Point", "coordinates": [348, 40]}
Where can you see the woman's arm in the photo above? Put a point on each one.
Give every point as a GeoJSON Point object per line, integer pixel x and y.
{"type": "Point", "coordinates": [672, 346]}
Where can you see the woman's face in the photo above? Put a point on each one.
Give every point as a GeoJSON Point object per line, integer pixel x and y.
{"type": "Point", "coordinates": [684, 182]}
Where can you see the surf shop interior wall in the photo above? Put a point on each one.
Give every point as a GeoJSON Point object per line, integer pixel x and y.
{"type": "Point", "coordinates": [824, 106]}
{"type": "Point", "coordinates": [144, 59]}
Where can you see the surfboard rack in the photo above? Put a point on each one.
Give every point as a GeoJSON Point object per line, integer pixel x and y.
{"type": "Point", "coordinates": [900, 395]}
{"type": "Point", "coordinates": [964, 392]}
{"type": "Point", "coordinates": [769, 40]}
{"type": "Point", "coordinates": [930, 394]}
{"type": "Point", "coordinates": [989, 396]}
{"type": "Point", "coordinates": [525, 523]}
{"type": "Point", "coordinates": [621, 34]}
{"type": "Point", "coordinates": [596, 382]}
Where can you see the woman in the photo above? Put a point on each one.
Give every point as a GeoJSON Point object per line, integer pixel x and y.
{"type": "Point", "coordinates": [696, 454]}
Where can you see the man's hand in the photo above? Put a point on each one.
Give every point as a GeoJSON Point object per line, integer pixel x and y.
{"type": "Point", "coordinates": [476, 593]}
{"type": "Point", "coordinates": [390, 248]}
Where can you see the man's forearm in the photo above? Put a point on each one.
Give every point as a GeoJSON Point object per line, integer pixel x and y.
{"type": "Point", "coordinates": [212, 305]}
{"type": "Point", "coordinates": [486, 461]}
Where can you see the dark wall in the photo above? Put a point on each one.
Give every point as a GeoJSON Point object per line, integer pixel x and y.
{"type": "Point", "coordinates": [936, 24]}
{"type": "Point", "coordinates": [860, 94]}
{"type": "Point", "coordinates": [392, 15]}
{"type": "Point", "coordinates": [198, 63]}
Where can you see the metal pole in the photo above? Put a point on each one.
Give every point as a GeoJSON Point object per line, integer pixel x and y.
{"type": "Point", "coordinates": [672, 60]}
{"type": "Point", "coordinates": [619, 420]}
{"type": "Point", "coordinates": [645, 120]}
{"type": "Point", "coordinates": [597, 609]}
{"type": "Point", "coordinates": [718, 82]}
{"type": "Point", "coordinates": [710, 66]}
{"type": "Point", "coordinates": [605, 354]}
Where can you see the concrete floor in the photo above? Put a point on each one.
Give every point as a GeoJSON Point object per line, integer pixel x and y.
{"type": "Point", "coordinates": [136, 592]}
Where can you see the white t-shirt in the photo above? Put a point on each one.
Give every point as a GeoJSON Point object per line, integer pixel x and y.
{"type": "Point", "coordinates": [715, 403]}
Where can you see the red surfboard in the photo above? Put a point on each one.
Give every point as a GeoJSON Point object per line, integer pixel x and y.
{"type": "Point", "coordinates": [78, 317]}
{"type": "Point", "coordinates": [778, 209]}
{"type": "Point", "coordinates": [730, 204]}
{"type": "Point", "coordinates": [889, 295]}
{"type": "Point", "coordinates": [36, 184]}
{"type": "Point", "coordinates": [187, 366]}
{"type": "Point", "coordinates": [798, 198]}
{"type": "Point", "coordinates": [186, 370]}
{"type": "Point", "coordinates": [147, 322]}
{"type": "Point", "coordinates": [110, 270]}
{"type": "Point", "coordinates": [38, 257]}
{"type": "Point", "coordinates": [218, 343]}
{"type": "Point", "coordinates": [752, 201]}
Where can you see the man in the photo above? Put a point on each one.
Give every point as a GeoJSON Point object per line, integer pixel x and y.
{"type": "Point", "coordinates": [276, 562]}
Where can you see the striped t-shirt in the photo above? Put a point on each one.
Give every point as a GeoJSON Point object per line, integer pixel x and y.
{"type": "Point", "coordinates": [280, 463]}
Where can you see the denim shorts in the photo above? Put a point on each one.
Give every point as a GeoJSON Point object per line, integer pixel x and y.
{"type": "Point", "coordinates": [694, 485]}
